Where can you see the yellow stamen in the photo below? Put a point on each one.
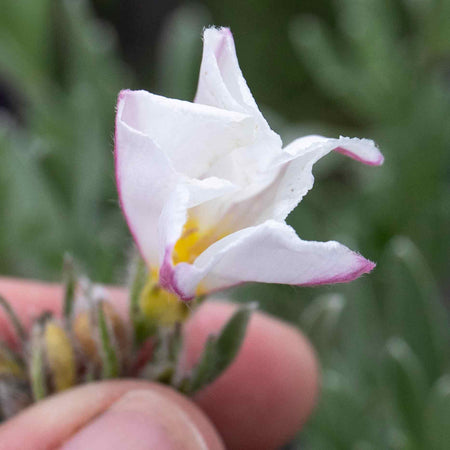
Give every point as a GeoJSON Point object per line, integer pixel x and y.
{"type": "Point", "coordinates": [161, 306]}
{"type": "Point", "coordinates": [194, 241]}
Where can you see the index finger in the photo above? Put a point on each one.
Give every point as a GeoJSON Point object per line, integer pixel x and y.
{"type": "Point", "coordinates": [265, 396]}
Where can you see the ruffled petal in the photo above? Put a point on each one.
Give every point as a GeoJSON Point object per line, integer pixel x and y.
{"type": "Point", "coordinates": [193, 136]}
{"type": "Point", "coordinates": [362, 150]}
{"type": "Point", "coordinates": [185, 195]}
{"type": "Point", "coordinates": [145, 178]}
{"type": "Point", "coordinates": [153, 195]}
{"type": "Point", "coordinates": [222, 85]}
{"type": "Point", "coordinates": [268, 253]}
{"type": "Point", "coordinates": [293, 178]}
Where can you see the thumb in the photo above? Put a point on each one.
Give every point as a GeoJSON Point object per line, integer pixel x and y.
{"type": "Point", "coordinates": [112, 415]}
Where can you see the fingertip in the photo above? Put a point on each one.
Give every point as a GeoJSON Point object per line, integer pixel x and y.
{"type": "Point", "coordinates": [269, 391]}
{"type": "Point", "coordinates": [136, 415]}
{"type": "Point", "coordinates": [147, 419]}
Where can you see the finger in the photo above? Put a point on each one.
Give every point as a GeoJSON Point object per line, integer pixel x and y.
{"type": "Point", "coordinates": [135, 415]}
{"type": "Point", "coordinates": [264, 398]}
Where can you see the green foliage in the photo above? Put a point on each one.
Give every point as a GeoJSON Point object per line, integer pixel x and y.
{"type": "Point", "coordinates": [110, 361]}
{"type": "Point", "coordinates": [37, 362]}
{"type": "Point", "coordinates": [221, 350]}
{"type": "Point", "coordinates": [57, 189]}
{"type": "Point", "coordinates": [139, 277]}
{"type": "Point", "coordinates": [387, 68]}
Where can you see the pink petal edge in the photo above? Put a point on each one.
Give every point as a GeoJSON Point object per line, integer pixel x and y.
{"type": "Point", "coordinates": [356, 157]}
{"type": "Point", "coordinates": [364, 266]}
{"type": "Point", "coordinates": [226, 34]}
{"type": "Point", "coordinates": [121, 98]}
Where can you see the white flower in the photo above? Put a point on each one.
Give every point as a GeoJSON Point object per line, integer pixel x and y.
{"type": "Point", "coordinates": [206, 186]}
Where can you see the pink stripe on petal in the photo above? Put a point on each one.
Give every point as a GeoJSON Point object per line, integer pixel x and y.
{"type": "Point", "coordinates": [356, 157]}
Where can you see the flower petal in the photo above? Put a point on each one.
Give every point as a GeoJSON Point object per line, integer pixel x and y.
{"type": "Point", "coordinates": [145, 179]}
{"type": "Point", "coordinates": [222, 85]}
{"type": "Point", "coordinates": [362, 150]}
{"type": "Point", "coordinates": [293, 177]}
{"type": "Point", "coordinates": [186, 194]}
{"type": "Point", "coordinates": [148, 184]}
{"type": "Point", "coordinates": [268, 253]}
{"type": "Point", "coordinates": [193, 136]}
{"type": "Point", "coordinates": [296, 178]}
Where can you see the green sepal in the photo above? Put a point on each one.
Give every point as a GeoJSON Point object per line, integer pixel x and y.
{"type": "Point", "coordinates": [70, 282]}
{"type": "Point", "coordinates": [11, 364]}
{"type": "Point", "coordinates": [37, 359]}
{"type": "Point", "coordinates": [220, 350]}
{"type": "Point", "coordinates": [140, 326]}
{"type": "Point", "coordinates": [14, 320]}
{"type": "Point", "coordinates": [108, 352]}
{"type": "Point", "coordinates": [163, 366]}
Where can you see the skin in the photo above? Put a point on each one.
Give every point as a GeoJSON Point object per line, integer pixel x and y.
{"type": "Point", "coordinates": [261, 401]}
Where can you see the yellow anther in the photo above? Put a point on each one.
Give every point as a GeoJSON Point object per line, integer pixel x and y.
{"type": "Point", "coordinates": [194, 241]}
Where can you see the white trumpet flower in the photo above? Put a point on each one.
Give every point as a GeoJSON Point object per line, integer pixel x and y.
{"type": "Point", "coordinates": [206, 186]}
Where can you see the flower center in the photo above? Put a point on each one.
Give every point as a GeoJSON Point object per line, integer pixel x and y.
{"type": "Point", "coordinates": [194, 241]}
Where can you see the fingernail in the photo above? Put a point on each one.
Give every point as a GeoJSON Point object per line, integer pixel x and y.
{"type": "Point", "coordinates": [140, 420]}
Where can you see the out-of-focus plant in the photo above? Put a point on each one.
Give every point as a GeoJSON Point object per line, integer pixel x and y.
{"type": "Point", "coordinates": [386, 364]}
{"type": "Point", "coordinates": [385, 360]}
{"type": "Point", "coordinates": [387, 65]}
{"type": "Point", "coordinates": [58, 68]}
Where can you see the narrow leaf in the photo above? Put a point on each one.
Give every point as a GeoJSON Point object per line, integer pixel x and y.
{"type": "Point", "coordinates": [409, 386]}
{"type": "Point", "coordinates": [37, 362]}
{"type": "Point", "coordinates": [14, 320]}
{"type": "Point", "coordinates": [220, 351]}
{"type": "Point", "coordinates": [437, 415]}
{"type": "Point", "coordinates": [413, 305]}
{"type": "Point", "coordinates": [139, 280]}
{"type": "Point", "coordinates": [110, 361]}
{"type": "Point", "coordinates": [69, 278]}
{"type": "Point", "coordinates": [10, 363]}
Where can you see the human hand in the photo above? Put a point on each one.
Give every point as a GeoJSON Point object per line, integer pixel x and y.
{"type": "Point", "coordinates": [260, 402]}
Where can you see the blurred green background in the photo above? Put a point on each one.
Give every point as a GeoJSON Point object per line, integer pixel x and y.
{"type": "Point", "coordinates": [367, 68]}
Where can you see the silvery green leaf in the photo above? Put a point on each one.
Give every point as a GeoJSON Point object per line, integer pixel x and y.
{"type": "Point", "coordinates": [108, 351]}
{"type": "Point", "coordinates": [408, 381]}
{"type": "Point", "coordinates": [13, 319]}
{"type": "Point", "coordinates": [437, 415]}
{"type": "Point", "coordinates": [220, 350]}
{"type": "Point", "coordinates": [139, 277]}
{"type": "Point", "coordinates": [69, 279]}
{"type": "Point", "coordinates": [37, 360]}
